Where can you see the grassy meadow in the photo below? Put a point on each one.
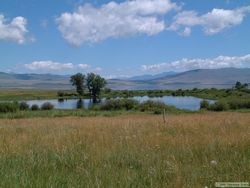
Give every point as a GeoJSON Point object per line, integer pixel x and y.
{"type": "Point", "coordinates": [25, 94]}
{"type": "Point", "coordinates": [133, 150]}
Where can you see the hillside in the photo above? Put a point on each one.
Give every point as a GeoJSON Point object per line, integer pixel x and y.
{"type": "Point", "coordinates": [201, 78]}
{"type": "Point", "coordinates": [41, 81]}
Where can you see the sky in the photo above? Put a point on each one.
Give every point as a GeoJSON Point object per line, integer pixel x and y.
{"type": "Point", "coordinates": [123, 38]}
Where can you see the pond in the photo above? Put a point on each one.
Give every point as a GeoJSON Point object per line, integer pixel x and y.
{"type": "Point", "coordinates": [186, 102]}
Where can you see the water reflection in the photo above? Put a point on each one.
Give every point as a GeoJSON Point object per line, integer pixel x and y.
{"type": "Point", "coordinates": [80, 104]}
{"type": "Point", "coordinates": [60, 100]}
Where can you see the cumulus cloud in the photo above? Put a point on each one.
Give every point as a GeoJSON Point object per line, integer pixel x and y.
{"type": "Point", "coordinates": [97, 69]}
{"type": "Point", "coordinates": [90, 24]}
{"type": "Point", "coordinates": [212, 22]}
{"type": "Point", "coordinates": [56, 67]}
{"type": "Point", "coordinates": [83, 66]}
{"type": "Point", "coordinates": [48, 66]}
{"type": "Point", "coordinates": [190, 64]}
{"type": "Point", "coordinates": [15, 30]}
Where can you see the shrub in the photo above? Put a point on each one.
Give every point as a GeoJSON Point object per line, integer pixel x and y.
{"type": "Point", "coordinates": [23, 106]}
{"type": "Point", "coordinates": [157, 111]}
{"type": "Point", "coordinates": [129, 104]}
{"type": "Point", "coordinates": [239, 103]}
{"type": "Point", "coordinates": [60, 94]}
{"type": "Point", "coordinates": [219, 106]}
{"type": "Point", "coordinates": [151, 106]}
{"type": "Point", "coordinates": [204, 104]}
{"type": "Point", "coordinates": [47, 106]}
{"type": "Point", "coordinates": [8, 107]}
{"type": "Point", "coordinates": [119, 104]}
{"type": "Point", "coordinates": [113, 104]}
{"type": "Point", "coordinates": [34, 107]}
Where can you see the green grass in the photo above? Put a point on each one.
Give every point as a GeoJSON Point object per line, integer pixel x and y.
{"type": "Point", "coordinates": [25, 94]}
{"type": "Point", "coordinates": [79, 113]}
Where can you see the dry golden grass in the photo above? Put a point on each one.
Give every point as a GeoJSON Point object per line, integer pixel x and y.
{"type": "Point", "coordinates": [193, 150]}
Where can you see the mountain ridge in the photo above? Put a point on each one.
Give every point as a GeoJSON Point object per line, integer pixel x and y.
{"type": "Point", "coordinates": [199, 78]}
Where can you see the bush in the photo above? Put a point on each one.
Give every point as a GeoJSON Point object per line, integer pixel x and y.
{"type": "Point", "coordinates": [34, 107]}
{"type": "Point", "coordinates": [113, 104]}
{"type": "Point", "coordinates": [129, 104]}
{"type": "Point", "coordinates": [47, 106]}
{"type": "Point", "coordinates": [158, 111]}
{"type": "Point", "coordinates": [119, 104]}
{"type": "Point", "coordinates": [8, 107]}
{"type": "Point", "coordinates": [23, 106]}
{"type": "Point", "coordinates": [219, 106]}
{"type": "Point", "coordinates": [204, 104]}
{"type": "Point", "coordinates": [239, 103]}
{"type": "Point", "coordinates": [152, 106]}
{"type": "Point", "coordinates": [60, 94]}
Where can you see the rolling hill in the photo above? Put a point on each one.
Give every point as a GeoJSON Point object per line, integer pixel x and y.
{"type": "Point", "coordinates": [39, 81]}
{"type": "Point", "coordinates": [200, 78]}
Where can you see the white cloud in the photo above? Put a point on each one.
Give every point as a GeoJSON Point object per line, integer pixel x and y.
{"type": "Point", "coordinates": [15, 30]}
{"type": "Point", "coordinates": [83, 66]}
{"type": "Point", "coordinates": [48, 66]}
{"type": "Point", "coordinates": [56, 67]}
{"type": "Point", "coordinates": [97, 69]}
{"type": "Point", "coordinates": [114, 20]}
{"type": "Point", "coordinates": [190, 64]}
{"type": "Point", "coordinates": [186, 32]}
{"type": "Point", "coordinates": [212, 22]}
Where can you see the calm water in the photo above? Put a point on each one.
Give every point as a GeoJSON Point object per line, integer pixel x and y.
{"type": "Point", "coordinates": [189, 103]}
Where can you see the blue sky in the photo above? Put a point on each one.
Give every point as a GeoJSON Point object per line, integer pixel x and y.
{"type": "Point", "coordinates": [123, 38]}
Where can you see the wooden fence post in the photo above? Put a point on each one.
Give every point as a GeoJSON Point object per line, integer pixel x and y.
{"type": "Point", "coordinates": [164, 117]}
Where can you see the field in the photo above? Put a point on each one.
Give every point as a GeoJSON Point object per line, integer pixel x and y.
{"type": "Point", "coordinates": [25, 94]}
{"type": "Point", "coordinates": [192, 150]}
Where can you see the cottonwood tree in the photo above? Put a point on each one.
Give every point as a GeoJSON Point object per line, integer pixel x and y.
{"type": "Point", "coordinates": [77, 80]}
{"type": "Point", "coordinates": [95, 84]}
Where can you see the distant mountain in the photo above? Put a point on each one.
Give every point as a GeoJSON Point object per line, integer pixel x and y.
{"type": "Point", "coordinates": [200, 78]}
{"type": "Point", "coordinates": [227, 76]}
{"type": "Point", "coordinates": [151, 77]}
{"type": "Point", "coordinates": [43, 81]}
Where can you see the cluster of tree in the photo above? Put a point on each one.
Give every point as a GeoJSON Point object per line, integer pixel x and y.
{"type": "Point", "coordinates": [93, 82]}
{"type": "Point", "coordinates": [240, 86]}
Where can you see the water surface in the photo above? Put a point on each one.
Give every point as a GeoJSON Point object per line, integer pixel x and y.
{"type": "Point", "coordinates": [189, 103]}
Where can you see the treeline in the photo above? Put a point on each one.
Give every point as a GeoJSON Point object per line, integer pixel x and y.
{"type": "Point", "coordinates": [239, 90]}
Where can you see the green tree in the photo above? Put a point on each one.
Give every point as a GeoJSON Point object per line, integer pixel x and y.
{"type": "Point", "coordinates": [77, 80]}
{"type": "Point", "coordinates": [95, 84]}
{"type": "Point", "coordinates": [238, 85]}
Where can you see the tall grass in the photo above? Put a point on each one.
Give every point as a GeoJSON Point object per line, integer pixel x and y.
{"type": "Point", "coordinates": [125, 151]}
